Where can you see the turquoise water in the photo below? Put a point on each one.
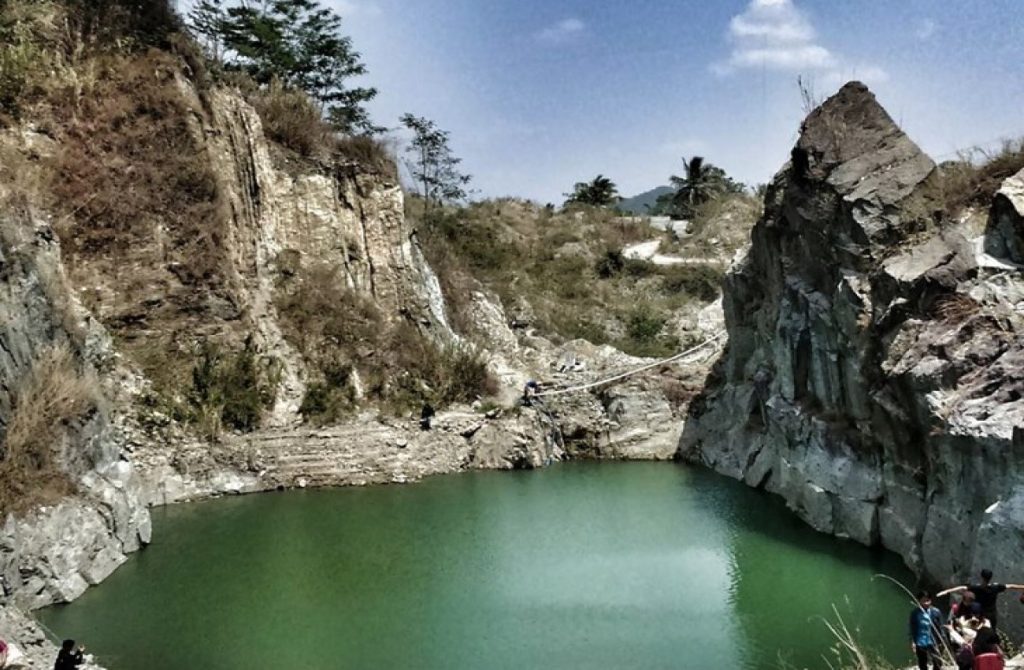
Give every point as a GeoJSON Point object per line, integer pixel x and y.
{"type": "Point", "coordinates": [610, 565]}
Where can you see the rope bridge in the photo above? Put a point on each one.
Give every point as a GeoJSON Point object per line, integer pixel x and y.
{"type": "Point", "coordinates": [630, 373]}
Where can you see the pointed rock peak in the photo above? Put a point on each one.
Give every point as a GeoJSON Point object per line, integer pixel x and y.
{"type": "Point", "coordinates": [852, 129]}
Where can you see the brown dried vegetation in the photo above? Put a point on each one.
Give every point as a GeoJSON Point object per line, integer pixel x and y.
{"type": "Point", "coordinates": [49, 400]}
{"type": "Point", "coordinates": [973, 179]}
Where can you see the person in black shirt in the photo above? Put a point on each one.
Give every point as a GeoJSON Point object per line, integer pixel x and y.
{"type": "Point", "coordinates": [426, 415]}
{"type": "Point", "coordinates": [985, 594]}
{"type": "Point", "coordinates": [69, 658]}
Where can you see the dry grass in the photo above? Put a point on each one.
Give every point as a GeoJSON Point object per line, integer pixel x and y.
{"type": "Point", "coordinates": [567, 266]}
{"type": "Point", "coordinates": [340, 331]}
{"type": "Point", "coordinates": [411, 370]}
{"type": "Point", "coordinates": [29, 33]}
{"type": "Point", "coordinates": [24, 180]}
{"type": "Point", "coordinates": [129, 166]}
{"type": "Point", "coordinates": [720, 227]}
{"type": "Point", "coordinates": [973, 180]}
{"type": "Point", "coordinates": [847, 652]}
{"type": "Point", "coordinates": [677, 393]}
{"type": "Point", "coordinates": [48, 401]}
{"type": "Point", "coordinates": [956, 308]}
{"type": "Point", "coordinates": [292, 120]}
{"type": "Point", "coordinates": [369, 153]}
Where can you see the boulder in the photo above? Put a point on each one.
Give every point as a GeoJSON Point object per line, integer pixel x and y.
{"type": "Point", "coordinates": [1004, 237]}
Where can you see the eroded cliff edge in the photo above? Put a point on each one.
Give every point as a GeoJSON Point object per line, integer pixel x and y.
{"type": "Point", "coordinates": [873, 375]}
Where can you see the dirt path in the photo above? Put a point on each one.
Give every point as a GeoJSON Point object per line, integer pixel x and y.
{"type": "Point", "coordinates": [648, 251]}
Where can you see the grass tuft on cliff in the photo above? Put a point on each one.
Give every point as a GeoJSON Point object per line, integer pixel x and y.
{"type": "Point", "coordinates": [973, 179]}
{"type": "Point", "coordinates": [53, 395]}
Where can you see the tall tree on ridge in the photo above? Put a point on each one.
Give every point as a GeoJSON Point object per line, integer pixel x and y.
{"type": "Point", "coordinates": [296, 42]}
{"type": "Point", "coordinates": [434, 166]}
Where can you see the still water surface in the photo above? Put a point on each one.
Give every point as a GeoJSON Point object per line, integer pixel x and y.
{"type": "Point", "coordinates": [610, 565]}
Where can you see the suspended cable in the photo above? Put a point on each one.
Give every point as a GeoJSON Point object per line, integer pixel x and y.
{"type": "Point", "coordinates": [630, 373]}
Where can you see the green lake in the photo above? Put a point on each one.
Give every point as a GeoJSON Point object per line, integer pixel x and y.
{"type": "Point", "coordinates": [591, 565]}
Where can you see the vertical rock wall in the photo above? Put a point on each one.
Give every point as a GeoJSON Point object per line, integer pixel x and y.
{"type": "Point", "coordinates": [55, 552]}
{"type": "Point", "coordinates": [872, 376]}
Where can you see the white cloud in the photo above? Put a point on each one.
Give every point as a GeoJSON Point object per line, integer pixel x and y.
{"type": "Point", "coordinates": [777, 35]}
{"type": "Point", "coordinates": [776, 21]}
{"type": "Point", "coordinates": [925, 28]}
{"type": "Point", "coordinates": [808, 56]}
{"type": "Point", "coordinates": [562, 32]}
{"type": "Point", "coordinates": [774, 34]}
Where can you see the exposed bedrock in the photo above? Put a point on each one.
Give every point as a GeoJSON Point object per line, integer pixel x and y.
{"type": "Point", "coordinates": [873, 375]}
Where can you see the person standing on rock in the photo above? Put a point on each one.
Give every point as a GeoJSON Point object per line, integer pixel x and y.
{"type": "Point", "coordinates": [426, 416]}
{"type": "Point", "coordinates": [925, 624]}
{"type": "Point", "coordinates": [69, 658]}
{"type": "Point", "coordinates": [986, 594]}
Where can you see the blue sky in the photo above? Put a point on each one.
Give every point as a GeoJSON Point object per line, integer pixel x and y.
{"type": "Point", "coordinates": [539, 94]}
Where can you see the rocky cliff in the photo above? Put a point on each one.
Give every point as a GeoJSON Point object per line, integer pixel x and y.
{"type": "Point", "coordinates": [178, 223]}
{"type": "Point", "coordinates": [872, 376]}
{"type": "Point", "coordinates": [93, 312]}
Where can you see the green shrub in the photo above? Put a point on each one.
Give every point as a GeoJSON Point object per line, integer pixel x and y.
{"type": "Point", "coordinates": [416, 370]}
{"type": "Point", "coordinates": [325, 404]}
{"type": "Point", "coordinates": [643, 325]}
{"type": "Point", "coordinates": [638, 269]}
{"type": "Point", "coordinates": [610, 265]}
{"type": "Point", "coordinates": [574, 326]}
{"type": "Point", "coordinates": [644, 334]}
{"type": "Point", "coordinates": [699, 281]}
{"type": "Point", "coordinates": [231, 389]}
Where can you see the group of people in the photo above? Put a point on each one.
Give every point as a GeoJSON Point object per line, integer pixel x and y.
{"type": "Point", "coordinates": [969, 633]}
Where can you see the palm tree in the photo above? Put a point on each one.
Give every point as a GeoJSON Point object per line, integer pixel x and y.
{"type": "Point", "coordinates": [600, 192]}
{"type": "Point", "coordinates": [697, 187]}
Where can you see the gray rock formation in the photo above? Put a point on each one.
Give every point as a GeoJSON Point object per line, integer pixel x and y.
{"type": "Point", "coordinates": [1005, 235]}
{"type": "Point", "coordinates": [872, 375]}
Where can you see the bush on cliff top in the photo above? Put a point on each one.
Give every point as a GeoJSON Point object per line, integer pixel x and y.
{"type": "Point", "coordinates": [974, 179]}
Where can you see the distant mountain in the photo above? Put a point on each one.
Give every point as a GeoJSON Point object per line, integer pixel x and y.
{"type": "Point", "coordinates": [635, 205]}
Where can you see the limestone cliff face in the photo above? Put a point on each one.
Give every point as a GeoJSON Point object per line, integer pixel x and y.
{"type": "Point", "coordinates": [100, 302]}
{"type": "Point", "coordinates": [272, 214]}
{"type": "Point", "coordinates": [872, 375]}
